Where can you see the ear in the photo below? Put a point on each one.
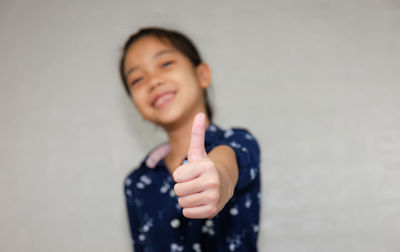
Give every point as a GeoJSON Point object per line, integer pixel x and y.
{"type": "Point", "coordinates": [203, 72]}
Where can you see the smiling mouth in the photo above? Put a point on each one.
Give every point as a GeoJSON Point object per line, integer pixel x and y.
{"type": "Point", "coordinates": [163, 99]}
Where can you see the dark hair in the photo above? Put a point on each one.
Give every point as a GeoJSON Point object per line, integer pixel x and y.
{"type": "Point", "coordinates": [178, 41]}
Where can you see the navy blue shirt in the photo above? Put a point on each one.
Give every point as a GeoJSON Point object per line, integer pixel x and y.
{"type": "Point", "coordinates": [156, 219]}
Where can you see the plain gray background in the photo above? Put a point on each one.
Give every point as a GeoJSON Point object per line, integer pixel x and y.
{"type": "Point", "coordinates": [316, 81]}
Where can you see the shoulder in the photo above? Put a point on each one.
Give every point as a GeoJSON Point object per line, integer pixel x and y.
{"type": "Point", "coordinates": [241, 140]}
{"type": "Point", "coordinates": [239, 133]}
{"type": "Point", "coordinates": [148, 164]}
{"type": "Point", "coordinates": [135, 174]}
{"type": "Point", "coordinates": [235, 137]}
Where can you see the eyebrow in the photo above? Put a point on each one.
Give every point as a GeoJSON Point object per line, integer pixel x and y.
{"type": "Point", "coordinates": [155, 56]}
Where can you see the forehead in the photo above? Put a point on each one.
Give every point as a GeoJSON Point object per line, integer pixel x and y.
{"type": "Point", "coordinates": [148, 47]}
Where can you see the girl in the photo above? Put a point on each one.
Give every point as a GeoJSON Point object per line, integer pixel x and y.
{"type": "Point", "coordinates": [200, 191]}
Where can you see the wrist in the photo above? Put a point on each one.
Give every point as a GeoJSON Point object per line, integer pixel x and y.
{"type": "Point", "coordinates": [228, 180]}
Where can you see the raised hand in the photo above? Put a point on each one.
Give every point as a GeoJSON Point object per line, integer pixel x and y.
{"type": "Point", "coordinates": [200, 186]}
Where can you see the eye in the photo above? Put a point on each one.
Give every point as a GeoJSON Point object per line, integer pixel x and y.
{"type": "Point", "coordinates": [167, 63]}
{"type": "Point", "coordinates": [137, 80]}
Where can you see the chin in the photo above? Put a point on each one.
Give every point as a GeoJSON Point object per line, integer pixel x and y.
{"type": "Point", "coordinates": [169, 118]}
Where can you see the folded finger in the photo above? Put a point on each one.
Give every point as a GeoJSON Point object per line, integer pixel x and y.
{"type": "Point", "coordinates": [195, 199]}
{"type": "Point", "coordinates": [196, 185]}
{"type": "Point", "coordinates": [200, 212]}
{"type": "Point", "coordinates": [187, 172]}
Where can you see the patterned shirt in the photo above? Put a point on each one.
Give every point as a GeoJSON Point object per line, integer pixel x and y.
{"type": "Point", "coordinates": [156, 219]}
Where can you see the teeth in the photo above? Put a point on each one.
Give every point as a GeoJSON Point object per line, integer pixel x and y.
{"type": "Point", "coordinates": [160, 101]}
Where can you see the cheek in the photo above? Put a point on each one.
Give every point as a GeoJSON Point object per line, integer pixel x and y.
{"type": "Point", "coordinates": [189, 80]}
{"type": "Point", "coordinates": [138, 99]}
{"type": "Point", "coordinates": [193, 89]}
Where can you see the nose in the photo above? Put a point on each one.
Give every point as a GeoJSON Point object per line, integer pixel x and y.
{"type": "Point", "coordinates": [154, 82]}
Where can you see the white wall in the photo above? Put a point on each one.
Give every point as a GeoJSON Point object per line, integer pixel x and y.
{"type": "Point", "coordinates": [318, 83]}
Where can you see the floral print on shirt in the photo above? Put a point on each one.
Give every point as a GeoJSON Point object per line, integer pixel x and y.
{"type": "Point", "coordinates": [155, 217]}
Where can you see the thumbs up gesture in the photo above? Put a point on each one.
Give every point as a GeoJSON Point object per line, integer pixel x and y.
{"type": "Point", "coordinates": [205, 184]}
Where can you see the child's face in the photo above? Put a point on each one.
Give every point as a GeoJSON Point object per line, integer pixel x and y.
{"type": "Point", "coordinates": [164, 85]}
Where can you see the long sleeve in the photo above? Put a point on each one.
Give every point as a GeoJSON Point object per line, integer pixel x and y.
{"type": "Point", "coordinates": [155, 217]}
{"type": "Point", "coordinates": [133, 218]}
{"type": "Point", "coordinates": [247, 155]}
{"type": "Point", "coordinates": [244, 207]}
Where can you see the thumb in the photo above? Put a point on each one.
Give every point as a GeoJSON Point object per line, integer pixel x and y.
{"type": "Point", "coordinates": [196, 148]}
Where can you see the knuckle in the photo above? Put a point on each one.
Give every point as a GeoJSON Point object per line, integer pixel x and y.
{"type": "Point", "coordinates": [231, 192]}
{"type": "Point", "coordinates": [217, 196]}
{"type": "Point", "coordinates": [179, 173]}
{"type": "Point", "coordinates": [217, 182]}
{"type": "Point", "coordinates": [214, 196]}
{"type": "Point", "coordinates": [212, 210]}
{"type": "Point", "coordinates": [214, 182]}
{"type": "Point", "coordinates": [209, 165]}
